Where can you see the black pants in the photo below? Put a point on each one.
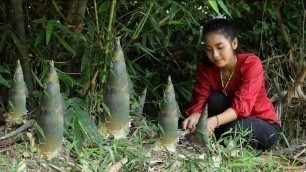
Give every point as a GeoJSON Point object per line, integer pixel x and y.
{"type": "Point", "coordinates": [263, 134]}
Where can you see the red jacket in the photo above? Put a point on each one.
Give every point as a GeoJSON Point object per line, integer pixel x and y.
{"type": "Point", "coordinates": [246, 89]}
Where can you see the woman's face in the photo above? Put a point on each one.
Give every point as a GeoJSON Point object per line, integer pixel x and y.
{"type": "Point", "coordinates": [220, 49]}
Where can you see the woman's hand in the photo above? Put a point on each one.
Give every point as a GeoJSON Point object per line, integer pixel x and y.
{"type": "Point", "coordinates": [191, 122]}
{"type": "Point", "coordinates": [212, 123]}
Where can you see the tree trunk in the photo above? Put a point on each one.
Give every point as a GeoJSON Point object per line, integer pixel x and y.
{"type": "Point", "coordinates": [19, 28]}
{"type": "Point", "coordinates": [75, 14]}
{"type": "Point", "coordinates": [76, 11]}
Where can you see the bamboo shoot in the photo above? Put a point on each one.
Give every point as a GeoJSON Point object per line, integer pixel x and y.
{"type": "Point", "coordinates": [168, 118]}
{"type": "Point", "coordinates": [17, 97]}
{"type": "Point", "coordinates": [200, 136]}
{"type": "Point", "coordinates": [116, 95]}
{"type": "Point", "coordinates": [51, 118]}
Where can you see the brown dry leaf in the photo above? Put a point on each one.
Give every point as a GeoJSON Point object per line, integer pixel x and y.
{"type": "Point", "coordinates": [22, 167]}
{"type": "Point", "coordinates": [26, 154]}
{"type": "Point", "coordinates": [117, 166]}
{"type": "Point", "coordinates": [31, 138]}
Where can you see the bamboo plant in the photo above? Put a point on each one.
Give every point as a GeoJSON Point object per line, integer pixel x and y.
{"type": "Point", "coordinates": [17, 97]}
{"type": "Point", "coordinates": [51, 118]}
{"type": "Point", "coordinates": [116, 95]}
{"type": "Point", "coordinates": [168, 118]}
{"type": "Point", "coordinates": [142, 99]}
{"type": "Point", "coordinates": [200, 136]}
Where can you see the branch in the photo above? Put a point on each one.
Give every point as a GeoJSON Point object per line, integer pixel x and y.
{"type": "Point", "coordinates": [20, 129]}
{"type": "Point", "coordinates": [286, 36]}
{"type": "Point", "coordinates": [295, 87]}
{"type": "Point", "coordinates": [163, 21]}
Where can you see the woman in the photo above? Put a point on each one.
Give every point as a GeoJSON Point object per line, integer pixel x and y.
{"type": "Point", "coordinates": [233, 86]}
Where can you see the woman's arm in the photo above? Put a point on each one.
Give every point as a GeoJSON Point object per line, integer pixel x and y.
{"type": "Point", "coordinates": [225, 117]}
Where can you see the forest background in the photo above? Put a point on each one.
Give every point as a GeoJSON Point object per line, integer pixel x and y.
{"type": "Point", "coordinates": [159, 39]}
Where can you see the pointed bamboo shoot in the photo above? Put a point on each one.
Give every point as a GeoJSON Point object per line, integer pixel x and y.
{"type": "Point", "coordinates": [168, 118]}
{"type": "Point", "coordinates": [51, 119]}
{"type": "Point", "coordinates": [116, 95]}
{"type": "Point", "coordinates": [200, 136]}
{"type": "Point", "coordinates": [17, 97]}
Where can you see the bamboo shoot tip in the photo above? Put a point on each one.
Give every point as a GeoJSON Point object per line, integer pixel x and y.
{"type": "Point", "coordinates": [52, 63]}
{"type": "Point", "coordinates": [118, 40]}
{"type": "Point", "coordinates": [169, 79]}
{"type": "Point", "coordinates": [144, 91]}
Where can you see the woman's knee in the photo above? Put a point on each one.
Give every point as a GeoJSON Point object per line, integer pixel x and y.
{"type": "Point", "coordinates": [217, 103]}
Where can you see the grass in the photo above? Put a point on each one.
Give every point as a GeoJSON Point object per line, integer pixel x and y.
{"type": "Point", "coordinates": [137, 154]}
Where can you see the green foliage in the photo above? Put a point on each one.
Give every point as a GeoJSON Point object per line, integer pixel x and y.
{"type": "Point", "coordinates": [159, 38]}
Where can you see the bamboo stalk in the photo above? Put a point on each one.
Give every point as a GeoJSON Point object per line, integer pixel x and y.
{"type": "Point", "coordinates": [19, 28]}
{"type": "Point", "coordinates": [143, 21]}
{"type": "Point", "coordinates": [168, 118]}
{"type": "Point", "coordinates": [51, 118]}
{"type": "Point", "coordinates": [109, 30]}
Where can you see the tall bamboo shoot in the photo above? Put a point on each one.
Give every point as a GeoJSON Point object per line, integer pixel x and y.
{"type": "Point", "coordinates": [17, 97]}
{"type": "Point", "coordinates": [51, 118]}
{"type": "Point", "coordinates": [116, 95]}
{"type": "Point", "coordinates": [168, 118]}
{"type": "Point", "coordinates": [200, 136]}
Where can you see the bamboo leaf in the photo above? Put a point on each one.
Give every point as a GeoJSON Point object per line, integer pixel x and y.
{"type": "Point", "coordinates": [143, 21]}
{"type": "Point", "coordinates": [40, 130]}
{"type": "Point", "coordinates": [38, 80]}
{"type": "Point", "coordinates": [65, 44]}
{"type": "Point", "coordinates": [106, 109]}
{"type": "Point", "coordinates": [147, 51]}
{"type": "Point", "coordinates": [88, 127]}
{"type": "Point", "coordinates": [187, 12]}
{"type": "Point", "coordinates": [61, 27]}
{"type": "Point", "coordinates": [40, 21]}
{"type": "Point", "coordinates": [172, 11]}
{"type": "Point", "coordinates": [4, 82]}
{"type": "Point", "coordinates": [18, 44]}
{"type": "Point", "coordinates": [214, 5]}
{"type": "Point", "coordinates": [90, 32]}
{"type": "Point", "coordinates": [104, 7]}
{"type": "Point", "coordinates": [40, 37]}
{"type": "Point", "coordinates": [174, 22]}
{"type": "Point", "coordinates": [85, 58]}
{"type": "Point", "coordinates": [49, 32]}
{"type": "Point", "coordinates": [66, 79]}
{"type": "Point", "coordinates": [3, 40]}
{"type": "Point", "coordinates": [77, 137]}
{"type": "Point", "coordinates": [4, 70]}
{"type": "Point", "coordinates": [224, 8]}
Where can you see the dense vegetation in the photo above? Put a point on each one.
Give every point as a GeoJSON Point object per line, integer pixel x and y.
{"type": "Point", "coordinates": [159, 39]}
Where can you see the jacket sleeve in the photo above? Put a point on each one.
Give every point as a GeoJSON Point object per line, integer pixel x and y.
{"type": "Point", "coordinates": [201, 90]}
{"type": "Point", "coordinates": [252, 79]}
